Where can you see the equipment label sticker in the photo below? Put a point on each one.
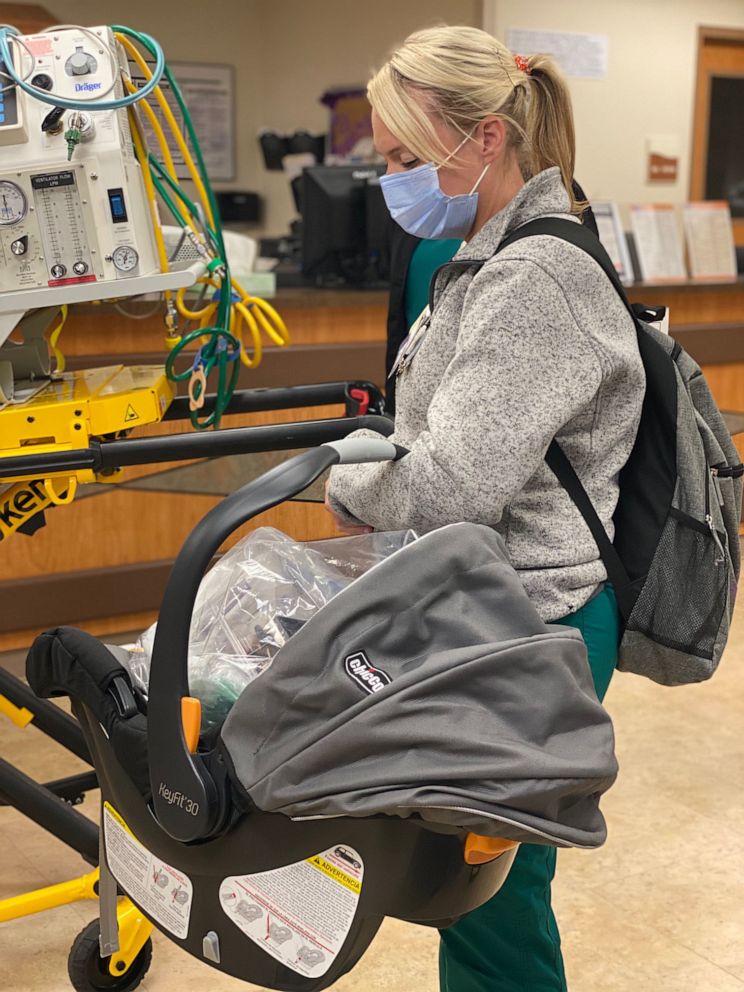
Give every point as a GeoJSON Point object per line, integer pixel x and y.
{"type": "Point", "coordinates": [301, 913]}
{"type": "Point", "coordinates": [163, 892]}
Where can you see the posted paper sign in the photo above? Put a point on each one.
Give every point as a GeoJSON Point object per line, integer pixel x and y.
{"type": "Point", "coordinates": [209, 94]}
{"type": "Point", "coordinates": [582, 56]}
{"type": "Point", "coordinates": [658, 242]}
{"type": "Point", "coordinates": [710, 240]}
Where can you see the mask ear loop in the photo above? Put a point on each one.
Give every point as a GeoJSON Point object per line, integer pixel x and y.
{"type": "Point", "coordinates": [467, 137]}
{"type": "Point", "coordinates": [480, 177]}
{"type": "Point", "coordinates": [456, 150]}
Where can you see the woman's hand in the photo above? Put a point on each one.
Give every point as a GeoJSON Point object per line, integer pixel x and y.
{"type": "Point", "coordinates": [340, 523]}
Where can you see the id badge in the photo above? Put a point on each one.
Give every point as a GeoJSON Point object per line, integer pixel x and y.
{"type": "Point", "coordinates": [412, 343]}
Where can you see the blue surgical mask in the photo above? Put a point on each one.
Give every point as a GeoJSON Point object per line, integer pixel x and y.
{"type": "Point", "coordinates": [416, 202]}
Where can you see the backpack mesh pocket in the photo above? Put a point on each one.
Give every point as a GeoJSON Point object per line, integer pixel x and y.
{"type": "Point", "coordinates": [683, 601]}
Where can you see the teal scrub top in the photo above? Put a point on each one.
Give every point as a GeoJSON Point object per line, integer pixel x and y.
{"type": "Point", "coordinates": [426, 258]}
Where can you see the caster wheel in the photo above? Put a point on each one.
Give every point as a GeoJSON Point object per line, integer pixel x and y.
{"type": "Point", "coordinates": [89, 972]}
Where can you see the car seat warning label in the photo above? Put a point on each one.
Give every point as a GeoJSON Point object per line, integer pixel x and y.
{"type": "Point", "coordinates": [163, 892]}
{"type": "Point", "coordinates": [301, 914]}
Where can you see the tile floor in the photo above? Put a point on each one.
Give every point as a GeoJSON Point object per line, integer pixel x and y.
{"type": "Point", "coordinates": [660, 908]}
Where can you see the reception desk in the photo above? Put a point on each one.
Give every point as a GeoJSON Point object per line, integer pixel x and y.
{"type": "Point", "coordinates": [102, 562]}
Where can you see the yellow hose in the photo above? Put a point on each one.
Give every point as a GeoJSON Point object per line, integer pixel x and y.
{"type": "Point", "coordinates": [173, 125]}
{"type": "Point", "coordinates": [59, 358]}
{"type": "Point", "coordinates": [139, 150]}
{"type": "Point", "coordinates": [159, 133]}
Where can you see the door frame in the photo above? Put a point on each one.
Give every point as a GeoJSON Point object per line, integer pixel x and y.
{"type": "Point", "coordinates": [707, 38]}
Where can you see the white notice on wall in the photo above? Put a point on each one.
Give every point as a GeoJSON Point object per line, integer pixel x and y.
{"type": "Point", "coordinates": [658, 243]}
{"type": "Point", "coordinates": [612, 236]}
{"type": "Point", "coordinates": [582, 56]}
{"type": "Point", "coordinates": [209, 94]}
{"type": "Point", "coordinates": [710, 240]}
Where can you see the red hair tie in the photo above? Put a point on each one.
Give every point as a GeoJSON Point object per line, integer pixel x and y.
{"type": "Point", "coordinates": [522, 64]}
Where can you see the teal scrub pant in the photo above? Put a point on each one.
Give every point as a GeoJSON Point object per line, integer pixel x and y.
{"type": "Point", "coordinates": [511, 944]}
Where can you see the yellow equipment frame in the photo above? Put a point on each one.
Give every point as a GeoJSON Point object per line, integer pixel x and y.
{"type": "Point", "coordinates": [77, 406]}
{"type": "Point", "coordinates": [134, 928]}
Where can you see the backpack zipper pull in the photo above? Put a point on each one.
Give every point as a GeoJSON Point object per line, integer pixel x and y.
{"type": "Point", "coordinates": [716, 538]}
{"type": "Point", "coordinates": [717, 486]}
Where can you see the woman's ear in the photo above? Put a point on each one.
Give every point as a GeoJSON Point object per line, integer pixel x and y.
{"type": "Point", "coordinates": [493, 137]}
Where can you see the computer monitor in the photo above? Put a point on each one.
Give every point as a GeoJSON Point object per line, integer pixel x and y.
{"type": "Point", "coordinates": [344, 234]}
{"type": "Point", "coordinates": [379, 230]}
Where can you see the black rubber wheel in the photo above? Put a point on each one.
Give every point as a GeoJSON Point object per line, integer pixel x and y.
{"type": "Point", "coordinates": [89, 972]}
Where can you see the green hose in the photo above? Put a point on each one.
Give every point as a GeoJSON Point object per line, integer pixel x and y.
{"type": "Point", "coordinates": [222, 348]}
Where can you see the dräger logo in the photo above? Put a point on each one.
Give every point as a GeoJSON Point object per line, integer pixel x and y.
{"type": "Point", "coordinates": [174, 798]}
{"type": "Point", "coordinates": [87, 87]}
{"type": "Point", "coordinates": [370, 679]}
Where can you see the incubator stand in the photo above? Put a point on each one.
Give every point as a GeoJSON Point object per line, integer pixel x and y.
{"type": "Point", "coordinates": [80, 198]}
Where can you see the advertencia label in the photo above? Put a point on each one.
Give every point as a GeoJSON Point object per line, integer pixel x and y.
{"type": "Point", "coordinates": [163, 892]}
{"type": "Point", "coordinates": [301, 913]}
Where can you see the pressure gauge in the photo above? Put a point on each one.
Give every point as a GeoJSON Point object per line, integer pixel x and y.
{"type": "Point", "coordinates": [125, 259]}
{"type": "Point", "coordinates": [13, 205]}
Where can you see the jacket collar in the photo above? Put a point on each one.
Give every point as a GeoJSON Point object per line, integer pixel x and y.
{"type": "Point", "coordinates": [543, 195]}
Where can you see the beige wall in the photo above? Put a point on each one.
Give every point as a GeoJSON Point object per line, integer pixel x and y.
{"type": "Point", "coordinates": [649, 89]}
{"type": "Point", "coordinates": [311, 45]}
{"type": "Point", "coordinates": [287, 52]}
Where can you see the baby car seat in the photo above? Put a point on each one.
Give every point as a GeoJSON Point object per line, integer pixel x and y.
{"type": "Point", "coordinates": [243, 864]}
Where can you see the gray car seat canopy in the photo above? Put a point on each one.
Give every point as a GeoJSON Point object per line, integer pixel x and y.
{"type": "Point", "coordinates": [431, 687]}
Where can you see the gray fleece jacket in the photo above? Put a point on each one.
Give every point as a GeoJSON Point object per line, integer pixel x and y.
{"type": "Point", "coordinates": [534, 345]}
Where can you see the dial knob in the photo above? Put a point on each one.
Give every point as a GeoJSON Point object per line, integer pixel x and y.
{"type": "Point", "coordinates": [20, 246]}
{"type": "Point", "coordinates": [80, 268]}
{"type": "Point", "coordinates": [79, 64]}
{"type": "Point", "coordinates": [58, 271]}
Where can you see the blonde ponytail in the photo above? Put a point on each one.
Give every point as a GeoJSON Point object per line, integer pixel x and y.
{"type": "Point", "coordinates": [463, 74]}
{"type": "Point", "coordinates": [549, 124]}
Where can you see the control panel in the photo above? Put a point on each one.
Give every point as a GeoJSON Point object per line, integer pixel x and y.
{"type": "Point", "coordinates": [69, 213]}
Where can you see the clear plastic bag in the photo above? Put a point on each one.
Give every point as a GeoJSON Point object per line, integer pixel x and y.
{"type": "Point", "coordinates": [253, 600]}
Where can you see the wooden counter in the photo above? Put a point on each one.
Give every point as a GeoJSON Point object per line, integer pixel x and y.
{"type": "Point", "coordinates": [102, 562]}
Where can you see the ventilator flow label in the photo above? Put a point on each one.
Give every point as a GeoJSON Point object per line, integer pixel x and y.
{"type": "Point", "coordinates": [163, 892]}
{"type": "Point", "coordinates": [301, 913]}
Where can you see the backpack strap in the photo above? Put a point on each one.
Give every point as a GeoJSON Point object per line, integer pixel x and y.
{"type": "Point", "coordinates": [558, 462]}
{"type": "Point", "coordinates": [555, 457]}
{"type": "Point", "coordinates": [575, 234]}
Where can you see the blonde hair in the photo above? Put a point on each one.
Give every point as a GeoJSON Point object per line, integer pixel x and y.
{"type": "Point", "coordinates": [463, 74]}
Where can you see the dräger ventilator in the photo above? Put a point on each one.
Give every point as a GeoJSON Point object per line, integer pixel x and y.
{"type": "Point", "coordinates": [81, 195]}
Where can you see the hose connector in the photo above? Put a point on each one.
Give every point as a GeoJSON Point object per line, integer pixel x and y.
{"type": "Point", "coordinates": [172, 337]}
{"type": "Point", "coordinates": [198, 243]}
{"type": "Point", "coordinates": [73, 134]}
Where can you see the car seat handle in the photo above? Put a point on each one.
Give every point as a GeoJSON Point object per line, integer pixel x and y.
{"type": "Point", "coordinates": [187, 802]}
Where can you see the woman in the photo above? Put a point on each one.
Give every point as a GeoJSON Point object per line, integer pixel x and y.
{"type": "Point", "coordinates": [533, 344]}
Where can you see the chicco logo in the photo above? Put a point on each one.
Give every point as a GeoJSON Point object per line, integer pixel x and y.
{"type": "Point", "coordinates": [87, 87]}
{"type": "Point", "coordinates": [359, 670]}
